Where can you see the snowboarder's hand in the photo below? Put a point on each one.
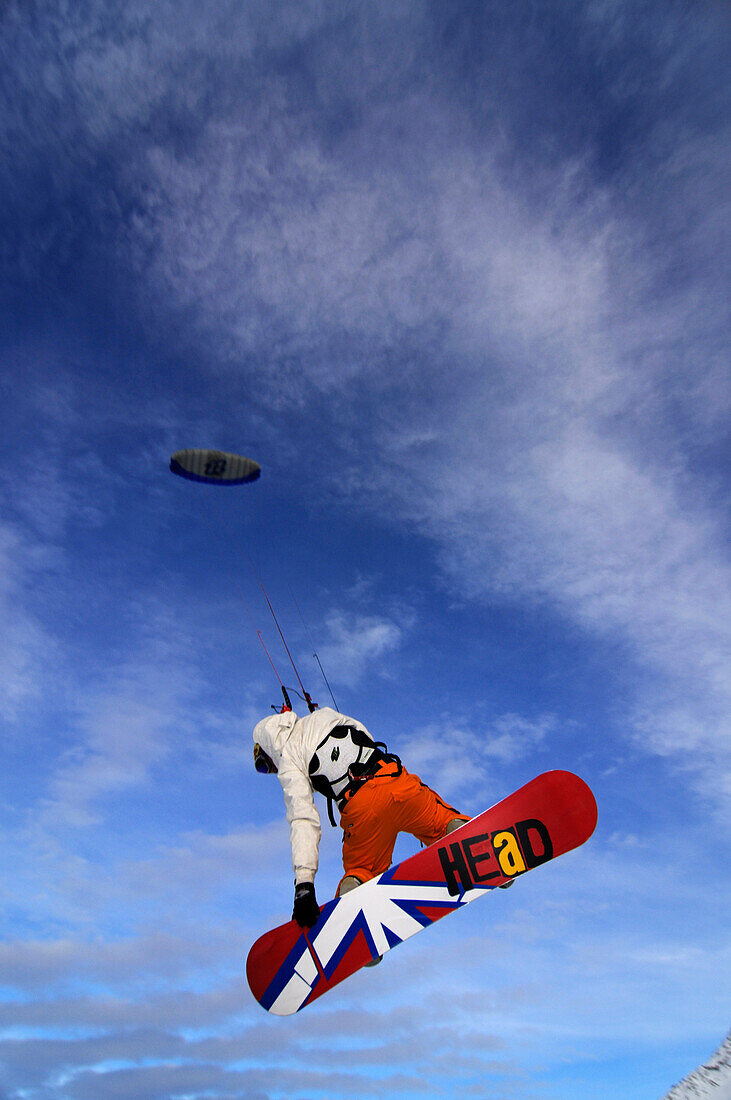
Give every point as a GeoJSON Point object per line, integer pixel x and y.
{"type": "Point", "coordinates": [306, 910]}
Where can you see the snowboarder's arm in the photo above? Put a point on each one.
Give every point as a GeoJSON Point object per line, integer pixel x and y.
{"type": "Point", "coordinates": [303, 818]}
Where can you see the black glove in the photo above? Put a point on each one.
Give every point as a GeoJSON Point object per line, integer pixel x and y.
{"type": "Point", "coordinates": [306, 910]}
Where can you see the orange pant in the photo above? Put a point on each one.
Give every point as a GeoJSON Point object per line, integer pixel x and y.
{"type": "Point", "coordinates": [383, 807]}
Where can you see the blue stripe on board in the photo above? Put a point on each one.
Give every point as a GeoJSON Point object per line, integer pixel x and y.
{"type": "Point", "coordinates": [285, 972]}
{"type": "Point", "coordinates": [391, 879]}
{"type": "Point", "coordinates": [359, 924]}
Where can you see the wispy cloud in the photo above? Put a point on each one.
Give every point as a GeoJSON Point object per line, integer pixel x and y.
{"type": "Point", "coordinates": [27, 644]}
{"type": "Point", "coordinates": [126, 732]}
{"type": "Point", "coordinates": [355, 642]}
{"type": "Point", "coordinates": [559, 357]}
{"type": "Point", "coordinates": [464, 753]}
{"type": "Point", "coordinates": [458, 274]}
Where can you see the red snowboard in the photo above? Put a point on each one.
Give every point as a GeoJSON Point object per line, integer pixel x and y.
{"type": "Point", "coordinates": [289, 968]}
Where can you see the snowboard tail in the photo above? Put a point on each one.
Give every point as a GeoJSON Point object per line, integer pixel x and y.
{"type": "Point", "coordinates": [289, 967]}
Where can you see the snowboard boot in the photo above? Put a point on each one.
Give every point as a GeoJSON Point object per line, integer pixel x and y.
{"type": "Point", "coordinates": [349, 883]}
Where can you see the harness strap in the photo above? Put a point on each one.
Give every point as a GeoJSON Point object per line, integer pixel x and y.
{"type": "Point", "coordinates": [375, 768]}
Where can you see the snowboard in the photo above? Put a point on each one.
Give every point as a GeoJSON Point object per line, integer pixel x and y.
{"type": "Point", "coordinates": [289, 967]}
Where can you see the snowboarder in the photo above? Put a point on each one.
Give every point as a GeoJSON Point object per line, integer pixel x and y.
{"type": "Point", "coordinates": [377, 797]}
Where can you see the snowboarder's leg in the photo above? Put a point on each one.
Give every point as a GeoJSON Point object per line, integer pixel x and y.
{"type": "Point", "coordinates": [420, 811]}
{"type": "Point", "coordinates": [369, 830]}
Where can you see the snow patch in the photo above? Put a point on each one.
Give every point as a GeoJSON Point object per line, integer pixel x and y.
{"type": "Point", "coordinates": [710, 1080]}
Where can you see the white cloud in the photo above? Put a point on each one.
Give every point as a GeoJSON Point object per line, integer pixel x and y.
{"type": "Point", "coordinates": [167, 954]}
{"type": "Point", "coordinates": [126, 733]}
{"type": "Point", "coordinates": [551, 474]}
{"type": "Point", "coordinates": [27, 647]}
{"type": "Point", "coordinates": [579, 524]}
{"type": "Point", "coordinates": [209, 1008]}
{"type": "Point", "coordinates": [355, 643]}
{"type": "Point", "coordinates": [537, 456]}
{"type": "Point", "coordinates": [460, 754]}
{"type": "Point", "coordinates": [527, 379]}
{"type": "Point", "coordinates": [205, 864]}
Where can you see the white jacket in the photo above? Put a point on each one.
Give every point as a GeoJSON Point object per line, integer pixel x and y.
{"type": "Point", "coordinates": [292, 742]}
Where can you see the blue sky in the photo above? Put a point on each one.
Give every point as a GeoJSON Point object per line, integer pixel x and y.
{"type": "Point", "coordinates": [456, 275]}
